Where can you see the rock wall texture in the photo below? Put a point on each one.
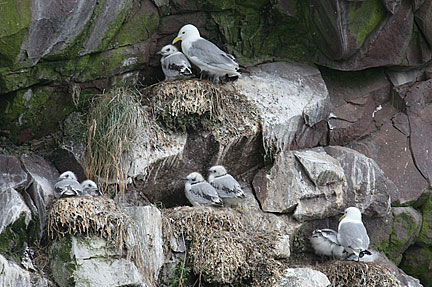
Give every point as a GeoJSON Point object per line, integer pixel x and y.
{"type": "Point", "coordinates": [332, 110]}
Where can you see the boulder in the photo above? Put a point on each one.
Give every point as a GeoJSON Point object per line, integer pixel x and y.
{"type": "Point", "coordinates": [16, 229]}
{"type": "Point", "coordinates": [12, 173]}
{"type": "Point", "coordinates": [13, 275]}
{"type": "Point", "coordinates": [355, 35]}
{"type": "Point", "coordinates": [299, 277]}
{"type": "Point", "coordinates": [80, 261]}
{"type": "Point", "coordinates": [286, 188]}
{"type": "Point", "coordinates": [367, 187]}
{"type": "Point", "coordinates": [149, 224]}
{"type": "Point", "coordinates": [287, 96]}
{"type": "Point", "coordinates": [425, 236]}
{"type": "Point", "coordinates": [416, 262]}
{"type": "Point", "coordinates": [406, 227]}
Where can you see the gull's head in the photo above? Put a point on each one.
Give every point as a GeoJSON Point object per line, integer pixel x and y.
{"type": "Point", "coordinates": [352, 213]}
{"type": "Point", "coordinates": [217, 170]}
{"type": "Point", "coordinates": [89, 185]}
{"type": "Point", "coordinates": [167, 50]}
{"type": "Point", "coordinates": [188, 31]}
{"type": "Point", "coordinates": [194, 177]}
{"type": "Point", "coordinates": [68, 175]}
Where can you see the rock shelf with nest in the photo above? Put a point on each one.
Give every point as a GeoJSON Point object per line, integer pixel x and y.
{"type": "Point", "coordinates": [179, 105]}
{"type": "Point", "coordinates": [95, 216]}
{"type": "Point", "coordinates": [350, 273]}
{"type": "Point", "coordinates": [221, 248]}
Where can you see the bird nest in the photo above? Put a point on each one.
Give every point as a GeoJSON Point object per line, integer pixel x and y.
{"type": "Point", "coordinates": [95, 216]}
{"type": "Point", "coordinates": [192, 103]}
{"type": "Point", "coordinates": [349, 274]}
{"type": "Point", "coordinates": [221, 248]}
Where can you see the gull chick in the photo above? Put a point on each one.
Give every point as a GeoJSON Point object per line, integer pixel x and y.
{"type": "Point", "coordinates": [67, 185]}
{"type": "Point", "coordinates": [199, 192]}
{"type": "Point", "coordinates": [174, 63]}
{"type": "Point", "coordinates": [206, 55]}
{"type": "Point", "coordinates": [352, 234]}
{"type": "Point", "coordinates": [225, 185]}
{"type": "Point", "coordinates": [90, 188]}
{"type": "Point", "coordinates": [325, 242]}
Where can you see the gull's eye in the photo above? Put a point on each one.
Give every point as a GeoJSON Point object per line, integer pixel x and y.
{"type": "Point", "coordinates": [183, 32]}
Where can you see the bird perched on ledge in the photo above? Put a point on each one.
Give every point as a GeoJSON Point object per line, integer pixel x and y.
{"type": "Point", "coordinates": [199, 192]}
{"type": "Point", "coordinates": [174, 64]}
{"type": "Point", "coordinates": [225, 185]}
{"type": "Point", "coordinates": [206, 55]}
{"type": "Point", "coordinates": [90, 188]}
{"type": "Point", "coordinates": [324, 242]}
{"type": "Point", "coordinates": [352, 234]}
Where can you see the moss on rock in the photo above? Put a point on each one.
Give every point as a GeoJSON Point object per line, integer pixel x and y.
{"type": "Point", "coordinates": [62, 262]}
{"type": "Point", "coordinates": [14, 27]}
{"type": "Point", "coordinates": [425, 236]}
{"type": "Point", "coordinates": [364, 17]}
{"type": "Point", "coordinates": [417, 262]}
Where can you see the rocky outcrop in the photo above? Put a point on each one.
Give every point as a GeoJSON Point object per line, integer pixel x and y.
{"type": "Point", "coordinates": [13, 175]}
{"type": "Point", "coordinates": [13, 275]}
{"type": "Point", "coordinates": [80, 261]}
{"type": "Point", "coordinates": [302, 277]}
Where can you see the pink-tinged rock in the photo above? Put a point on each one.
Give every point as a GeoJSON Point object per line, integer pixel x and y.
{"type": "Point", "coordinates": [423, 19]}
{"type": "Point", "coordinates": [389, 39]}
{"type": "Point", "coordinates": [367, 187]}
{"type": "Point", "coordinates": [419, 110]}
{"type": "Point", "coordinates": [391, 151]}
{"type": "Point", "coordinates": [12, 175]}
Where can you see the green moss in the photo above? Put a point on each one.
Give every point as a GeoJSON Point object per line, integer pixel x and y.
{"type": "Point", "coordinates": [139, 25]}
{"type": "Point", "coordinates": [34, 112]}
{"type": "Point", "coordinates": [14, 25]}
{"type": "Point", "coordinates": [364, 17]}
{"type": "Point", "coordinates": [15, 237]}
{"type": "Point", "coordinates": [259, 30]}
{"type": "Point", "coordinates": [425, 236]}
{"type": "Point", "coordinates": [62, 263]}
{"type": "Point", "coordinates": [417, 263]}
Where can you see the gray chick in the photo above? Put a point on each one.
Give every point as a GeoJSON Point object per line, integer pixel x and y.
{"type": "Point", "coordinates": [67, 185]}
{"type": "Point", "coordinates": [174, 64]}
{"type": "Point", "coordinates": [90, 188]}
{"type": "Point", "coordinates": [199, 192]}
{"type": "Point", "coordinates": [225, 185]}
{"type": "Point", "coordinates": [325, 242]}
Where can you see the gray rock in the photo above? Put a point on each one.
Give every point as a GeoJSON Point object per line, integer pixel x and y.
{"type": "Point", "coordinates": [406, 227]}
{"type": "Point", "coordinates": [286, 188]}
{"type": "Point", "coordinates": [367, 187]}
{"type": "Point", "coordinates": [41, 191]}
{"type": "Point", "coordinates": [287, 95]}
{"type": "Point", "coordinates": [302, 277]}
{"type": "Point", "coordinates": [12, 174]}
{"type": "Point", "coordinates": [149, 223]}
{"type": "Point", "coordinates": [79, 261]}
{"type": "Point", "coordinates": [13, 275]}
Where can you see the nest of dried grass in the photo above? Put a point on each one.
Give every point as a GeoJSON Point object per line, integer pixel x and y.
{"type": "Point", "coordinates": [95, 216]}
{"type": "Point", "coordinates": [222, 249]}
{"type": "Point", "coordinates": [350, 274]}
{"type": "Point", "coordinates": [191, 103]}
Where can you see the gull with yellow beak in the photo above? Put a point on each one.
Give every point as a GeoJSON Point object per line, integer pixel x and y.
{"type": "Point", "coordinates": [206, 55]}
{"type": "Point", "coordinates": [352, 234]}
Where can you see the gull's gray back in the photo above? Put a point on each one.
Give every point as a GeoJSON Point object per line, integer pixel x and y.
{"type": "Point", "coordinates": [67, 187]}
{"type": "Point", "coordinates": [353, 235]}
{"type": "Point", "coordinates": [202, 193]}
{"type": "Point", "coordinates": [210, 54]}
{"type": "Point", "coordinates": [226, 186]}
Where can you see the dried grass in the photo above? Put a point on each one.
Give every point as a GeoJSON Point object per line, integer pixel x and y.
{"type": "Point", "coordinates": [96, 216]}
{"type": "Point", "coordinates": [182, 104]}
{"type": "Point", "coordinates": [351, 274]}
{"type": "Point", "coordinates": [222, 249]}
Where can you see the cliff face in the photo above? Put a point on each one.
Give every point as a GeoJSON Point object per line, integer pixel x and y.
{"type": "Point", "coordinates": [304, 142]}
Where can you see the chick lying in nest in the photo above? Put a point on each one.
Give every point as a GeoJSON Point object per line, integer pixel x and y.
{"type": "Point", "coordinates": [96, 216]}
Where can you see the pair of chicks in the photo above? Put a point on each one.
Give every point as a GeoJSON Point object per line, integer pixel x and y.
{"type": "Point", "coordinates": [350, 242]}
{"type": "Point", "coordinates": [221, 186]}
{"type": "Point", "coordinates": [67, 185]}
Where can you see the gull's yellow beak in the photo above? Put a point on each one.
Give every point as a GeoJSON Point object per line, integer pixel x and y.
{"type": "Point", "coordinates": [342, 217]}
{"type": "Point", "coordinates": [176, 39]}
